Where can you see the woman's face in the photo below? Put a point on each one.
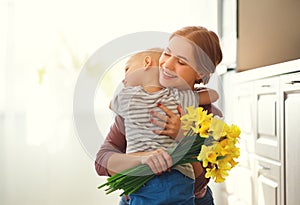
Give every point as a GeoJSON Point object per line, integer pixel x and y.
{"type": "Point", "coordinates": [175, 72]}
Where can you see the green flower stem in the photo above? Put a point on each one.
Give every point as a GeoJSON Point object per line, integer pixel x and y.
{"type": "Point", "coordinates": [132, 179]}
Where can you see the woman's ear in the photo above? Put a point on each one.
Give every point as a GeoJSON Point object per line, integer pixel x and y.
{"type": "Point", "coordinates": [198, 78]}
{"type": "Point", "coordinates": [147, 62]}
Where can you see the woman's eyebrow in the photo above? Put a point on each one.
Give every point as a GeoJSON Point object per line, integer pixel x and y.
{"type": "Point", "coordinates": [182, 57]}
{"type": "Point", "coordinates": [178, 56]}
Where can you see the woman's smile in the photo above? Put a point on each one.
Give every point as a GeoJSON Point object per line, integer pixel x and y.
{"type": "Point", "coordinates": [168, 74]}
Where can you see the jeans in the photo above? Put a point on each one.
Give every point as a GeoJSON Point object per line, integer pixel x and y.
{"type": "Point", "coordinates": [206, 200]}
{"type": "Point", "coordinates": [123, 201]}
{"type": "Point", "coordinates": [169, 188]}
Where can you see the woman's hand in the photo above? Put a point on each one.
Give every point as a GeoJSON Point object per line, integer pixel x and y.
{"type": "Point", "coordinates": [170, 122]}
{"type": "Point", "coordinates": [158, 160]}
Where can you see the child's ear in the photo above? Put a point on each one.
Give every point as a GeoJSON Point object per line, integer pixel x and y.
{"type": "Point", "coordinates": [147, 62]}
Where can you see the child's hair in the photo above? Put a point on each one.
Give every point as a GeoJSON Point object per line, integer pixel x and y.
{"type": "Point", "coordinates": [155, 53]}
{"type": "Point", "coordinates": [207, 40]}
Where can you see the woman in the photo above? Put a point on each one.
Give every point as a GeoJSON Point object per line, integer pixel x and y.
{"type": "Point", "coordinates": [193, 48]}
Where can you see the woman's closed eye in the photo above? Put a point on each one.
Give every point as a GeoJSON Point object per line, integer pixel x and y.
{"type": "Point", "coordinates": [181, 62]}
{"type": "Point", "coordinates": [166, 53]}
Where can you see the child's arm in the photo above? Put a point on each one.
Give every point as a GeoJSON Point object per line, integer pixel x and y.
{"type": "Point", "coordinates": [119, 102]}
{"type": "Point", "coordinates": [207, 96]}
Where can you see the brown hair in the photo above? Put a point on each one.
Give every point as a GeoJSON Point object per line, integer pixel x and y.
{"type": "Point", "coordinates": [207, 40]}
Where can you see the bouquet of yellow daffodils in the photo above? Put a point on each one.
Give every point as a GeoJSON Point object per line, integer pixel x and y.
{"type": "Point", "coordinates": [207, 139]}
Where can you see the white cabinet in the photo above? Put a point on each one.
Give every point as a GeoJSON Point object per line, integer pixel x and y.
{"type": "Point", "coordinates": [267, 141]}
{"type": "Point", "coordinates": [269, 187]}
{"type": "Point", "coordinates": [290, 87]}
{"type": "Point", "coordinates": [267, 109]}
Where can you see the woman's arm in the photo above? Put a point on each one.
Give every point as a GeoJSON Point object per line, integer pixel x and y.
{"type": "Point", "coordinates": [111, 157]}
{"type": "Point", "coordinates": [115, 143]}
{"type": "Point", "coordinates": [207, 96]}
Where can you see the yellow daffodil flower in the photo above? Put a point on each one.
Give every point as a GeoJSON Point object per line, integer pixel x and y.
{"type": "Point", "coordinates": [218, 127]}
{"type": "Point", "coordinates": [219, 148]}
{"type": "Point", "coordinates": [233, 132]}
{"type": "Point", "coordinates": [217, 174]}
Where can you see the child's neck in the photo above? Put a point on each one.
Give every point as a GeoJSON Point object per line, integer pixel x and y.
{"type": "Point", "coordinates": [151, 82]}
{"type": "Point", "coordinates": [152, 89]}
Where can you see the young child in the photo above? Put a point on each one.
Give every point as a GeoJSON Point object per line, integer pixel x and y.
{"type": "Point", "coordinates": [141, 94]}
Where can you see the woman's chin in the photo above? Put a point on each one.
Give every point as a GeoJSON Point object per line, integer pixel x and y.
{"type": "Point", "coordinates": [166, 82]}
{"type": "Point", "coordinates": [173, 83]}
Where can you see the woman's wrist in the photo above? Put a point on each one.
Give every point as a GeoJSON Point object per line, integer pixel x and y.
{"type": "Point", "coordinates": [119, 162]}
{"type": "Point", "coordinates": [142, 156]}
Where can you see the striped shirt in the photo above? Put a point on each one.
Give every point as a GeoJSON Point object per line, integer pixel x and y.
{"type": "Point", "coordinates": [134, 105]}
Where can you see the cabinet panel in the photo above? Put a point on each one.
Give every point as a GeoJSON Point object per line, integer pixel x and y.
{"type": "Point", "coordinates": [292, 136]}
{"type": "Point", "coordinates": [291, 92]}
{"type": "Point", "coordinates": [269, 189]}
{"type": "Point", "coordinates": [267, 114]}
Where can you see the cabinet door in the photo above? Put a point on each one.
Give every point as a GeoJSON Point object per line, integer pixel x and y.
{"type": "Point", "coordinates": [269, 189]}
{"type": "Point", "coordinates": [291, 90]}
{"type": "Point", "coordinates": [267, 114]}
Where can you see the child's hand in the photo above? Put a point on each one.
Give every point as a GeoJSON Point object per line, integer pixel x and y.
{"type": "Point", "coordinates": [170, 122]}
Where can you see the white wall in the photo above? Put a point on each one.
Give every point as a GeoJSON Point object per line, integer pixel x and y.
{"type": "Point", "coordinates": [42, 161]}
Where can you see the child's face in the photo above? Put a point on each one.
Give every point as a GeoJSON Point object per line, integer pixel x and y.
{"type": "Point", "coordinates": [133, 72]}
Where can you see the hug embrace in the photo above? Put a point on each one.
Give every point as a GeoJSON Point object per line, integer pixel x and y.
{"type": "Point", "coordinates": [158, 85]}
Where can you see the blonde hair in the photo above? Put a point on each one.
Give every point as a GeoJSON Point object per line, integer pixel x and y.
{"type": "Point", "coordinates": [207, 40]}
{"type": "Point", "coordinates": [155, 53]}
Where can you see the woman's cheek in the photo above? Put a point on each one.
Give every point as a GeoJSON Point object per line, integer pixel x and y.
{"type": "Point", "coordinates": [164, 82]}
